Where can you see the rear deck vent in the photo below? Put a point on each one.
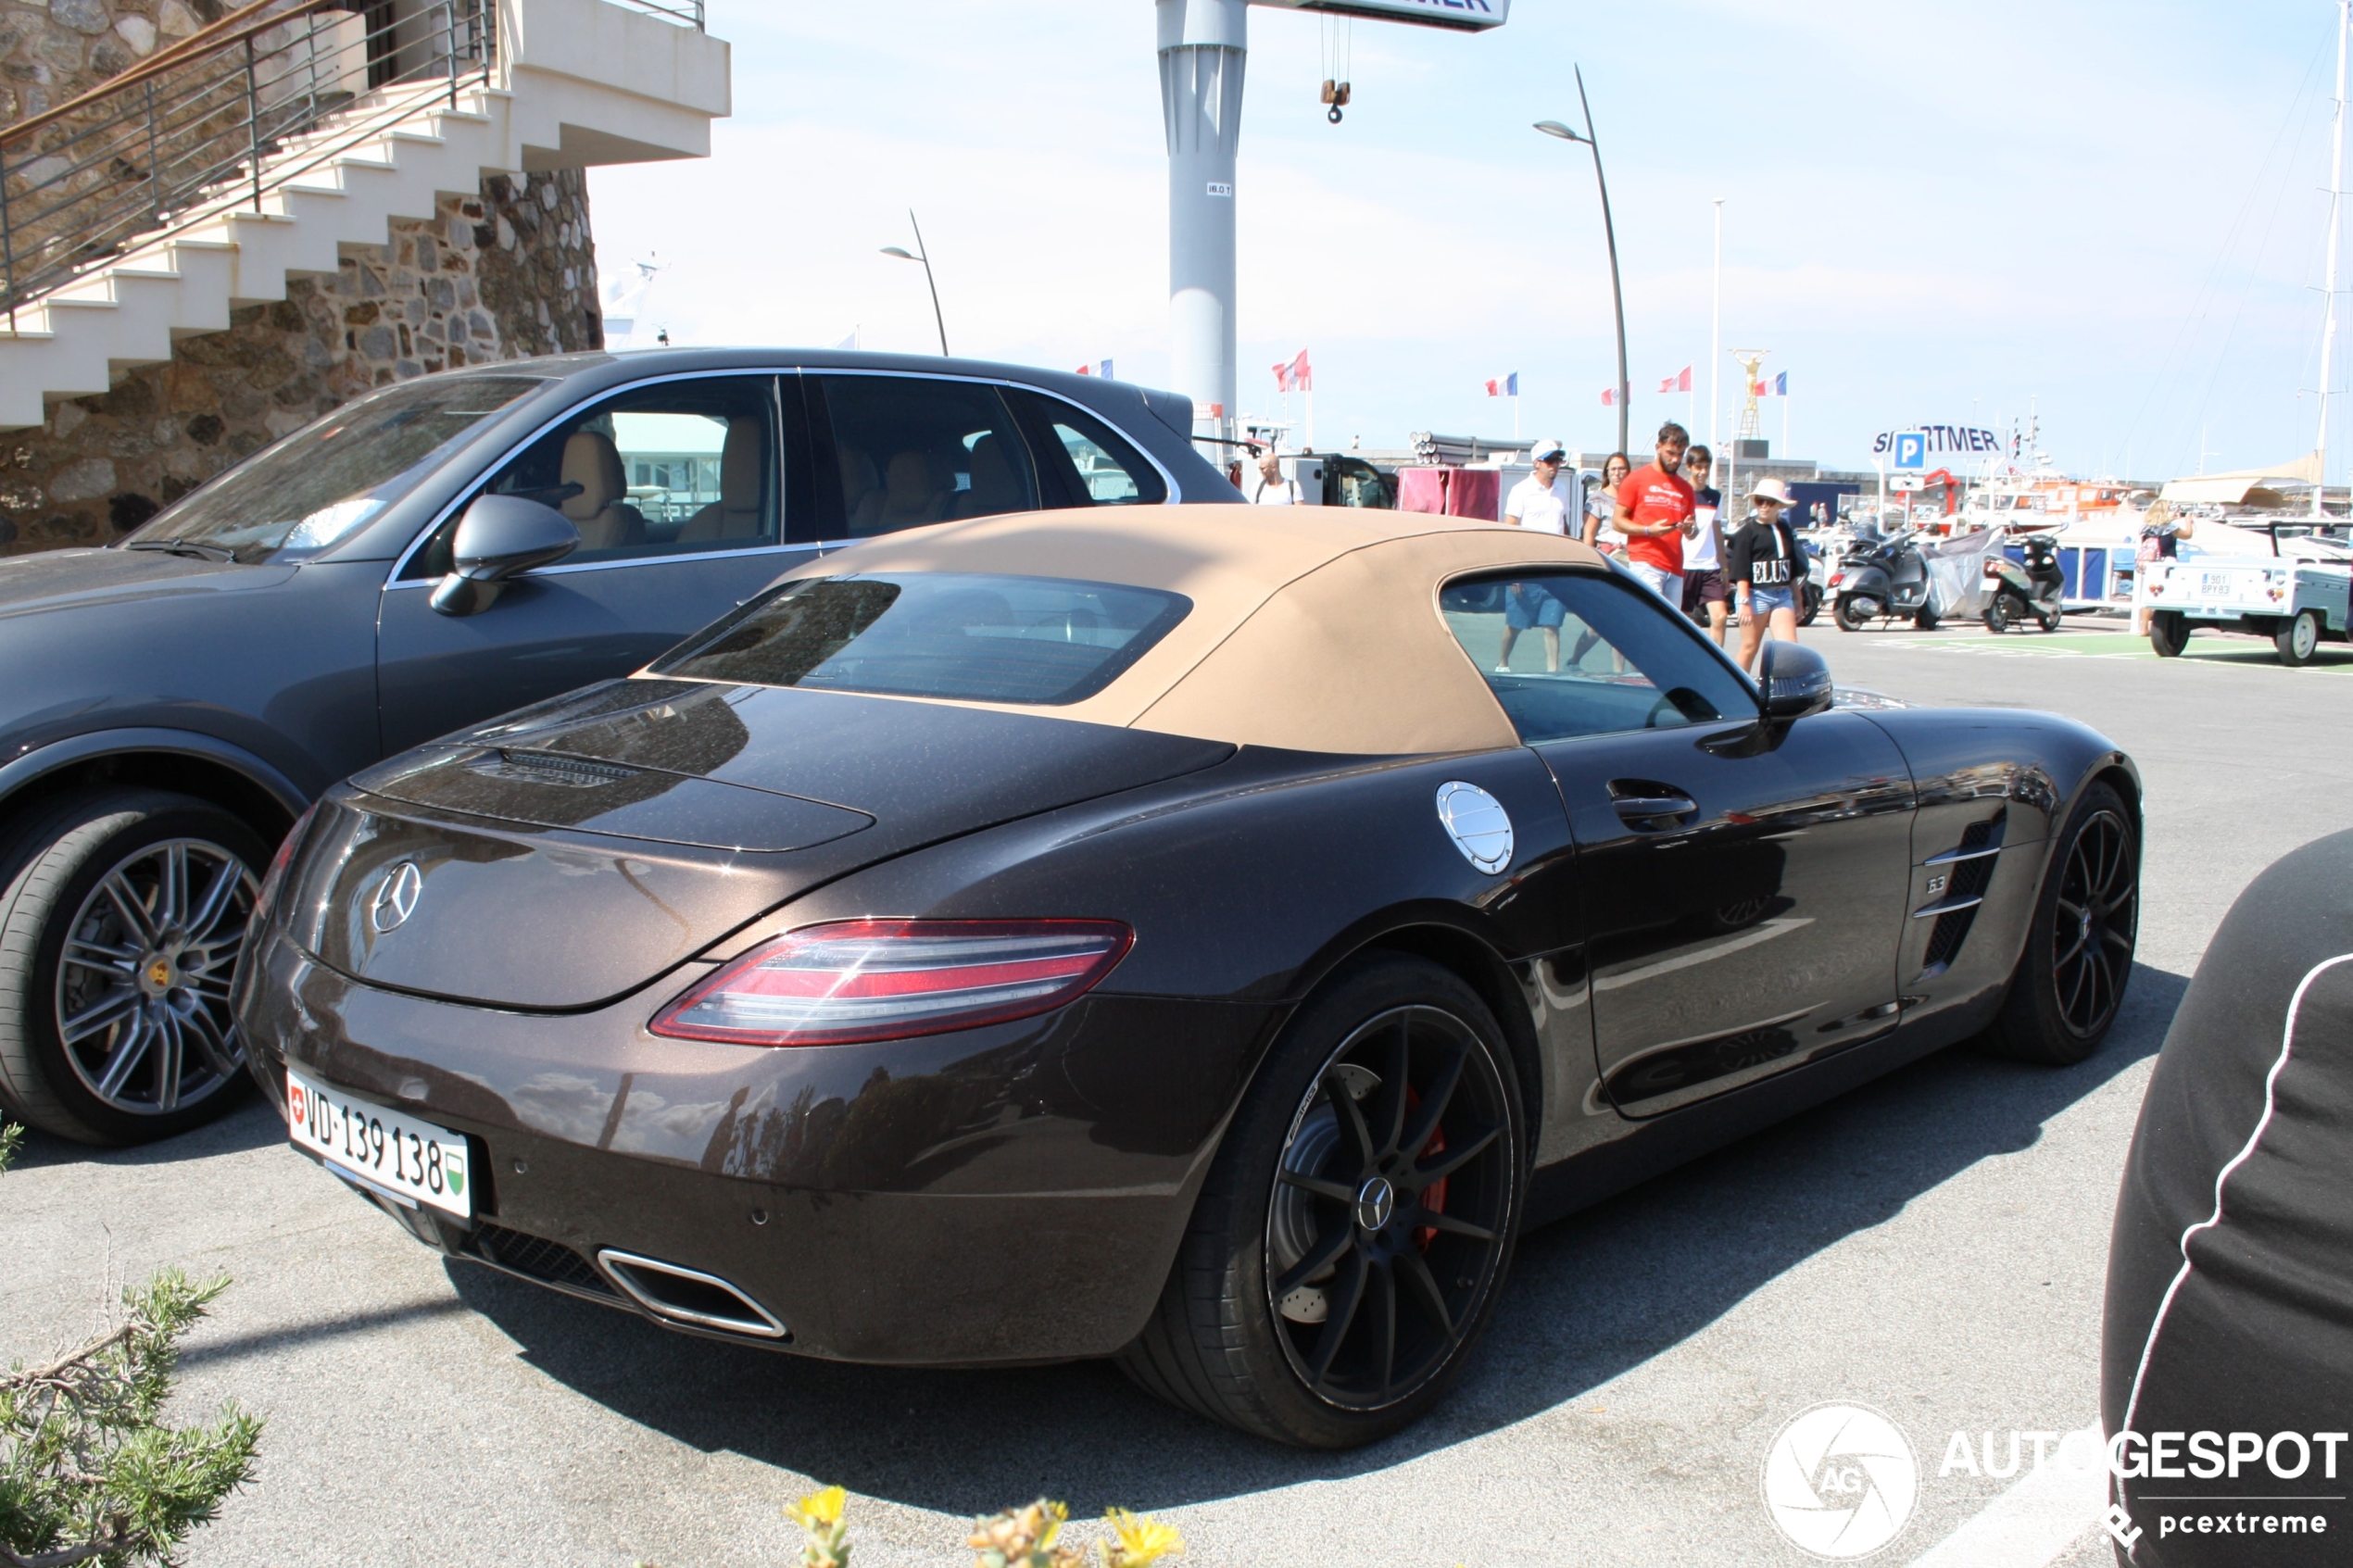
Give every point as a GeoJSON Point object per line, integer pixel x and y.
{"type": "Point", "coordinates": [535, 1258]}
{"type": "Point", "coordinates": [690, 1296]}
{"type": "Point", "coordinates": [533, 766]}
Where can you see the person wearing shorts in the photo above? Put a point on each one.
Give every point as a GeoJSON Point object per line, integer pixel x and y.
{"type": "Point", "coordinates": [1706, 593]}
{"type": "Point", "coordinates": [1656, 512]}
{"type": "Point", "coordinates": [1528, 604]}
{"type": "Point", "coordinates": [1763, 562]}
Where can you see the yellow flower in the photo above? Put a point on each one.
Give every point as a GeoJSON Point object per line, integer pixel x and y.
{"type": "Point", "coordinates": [1142, 1540]}
{"type": "Point", "coordinates": [818, 1511]}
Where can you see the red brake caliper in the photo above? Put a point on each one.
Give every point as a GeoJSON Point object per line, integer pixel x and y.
{"type": "Point", "coordinates": [1433, 1196]}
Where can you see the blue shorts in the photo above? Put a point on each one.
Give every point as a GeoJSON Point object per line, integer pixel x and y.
{"type": "Point", "coordinates": [1765, 601]}
{"type": "Point", "coordinates": [1530, 603]}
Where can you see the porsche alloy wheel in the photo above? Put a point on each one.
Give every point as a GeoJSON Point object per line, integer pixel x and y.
{"type": "Point", "coordinates": [1349, 1244]}
{"type": "Point", "coordinates": [2070, 983]}
{"type": "Point", "coordinates": [122, 918]}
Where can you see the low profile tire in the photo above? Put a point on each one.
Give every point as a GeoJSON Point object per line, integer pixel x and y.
{"type": "Point", "coordinates": [2168, 633]}
{"type": "Point", "coordinates": [2070, 980]}
{"type": "Point", "coordinates": [2299, 638]}
{"type": "Point", "coordinates": [1349, 1244]}
{"type": "Point", "coordinates": [121, 916]}
{"type": "Point", "coordinates": [1848, 616]}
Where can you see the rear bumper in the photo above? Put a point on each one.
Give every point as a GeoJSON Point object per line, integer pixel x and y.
{"type": "Point", "coordinates": [1013, 1193]}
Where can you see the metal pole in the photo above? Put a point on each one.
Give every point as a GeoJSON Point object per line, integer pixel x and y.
{"type": "Point", "coordinates": [1716, 331]}
{"type": "Point", "coordinates": [2336, 192]}
{"type": "Point", "coordinates": [252, 122]}
{"type": "Point", "coordinates": [155, 158]}
{"type": "Point", "coordinates": [450, 19]}
{"type": "Point", "coordinates": [1203, 49]}
{"type": "Point", "coordinates": [923, 254]}
{"type": "Point", "coordinates": [7, 245]}
{"type": "Point", "coordinates": [1609, 230]}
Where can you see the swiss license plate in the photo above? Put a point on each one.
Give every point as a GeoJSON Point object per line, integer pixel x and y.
{"type": "Point", "coordinates": [2214, 586]}
{"type": "Point", "coordinates": [389, 1149]}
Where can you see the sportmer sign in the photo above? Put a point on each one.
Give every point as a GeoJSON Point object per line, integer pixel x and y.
{"type": "Point", "coordinates": [1936, 440]}
{"type": "Point", "coordinates": [1471, 16]}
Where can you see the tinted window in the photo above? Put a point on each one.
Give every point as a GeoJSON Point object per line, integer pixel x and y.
{"type": "Point", "coordinates": [320, 484]}
{"type": "Point", "coordinates": [1091, 463]}
{"type": "Point", "coordinates": [1573, 654]}
{"type": "Point", "coordinates": [911, 451]}
{"type": "Point", "coordinates": [938, 635]}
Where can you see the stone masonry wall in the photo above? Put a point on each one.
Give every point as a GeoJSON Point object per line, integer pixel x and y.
{"type": "Point", "coordinates": [504, 275]}
{"type": "Point", "coordinates": [50, 51]}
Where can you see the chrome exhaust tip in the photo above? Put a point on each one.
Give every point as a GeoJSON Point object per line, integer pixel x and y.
{"type": "Point", "coordinates": [690, 1296]}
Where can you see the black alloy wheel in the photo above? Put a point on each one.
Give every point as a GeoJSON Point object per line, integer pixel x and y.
{"type": "Point", "coordinates": [123, 915]}
{"type": "Point", "coordinates": [2299, 638]}
{"type": "Point", "coordinates": [2169, 633]}
{"type": "Point", "coordinates": [1349, 1244]}
{"type": "Point", "coordinates": [2070, 982]}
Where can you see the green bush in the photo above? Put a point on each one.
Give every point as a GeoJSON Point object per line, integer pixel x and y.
{"type": "Point", "coordinates": [90, 1472]}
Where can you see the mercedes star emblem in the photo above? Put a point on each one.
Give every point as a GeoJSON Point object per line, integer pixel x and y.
{"type": "Point", "coordinates": [396, 896]}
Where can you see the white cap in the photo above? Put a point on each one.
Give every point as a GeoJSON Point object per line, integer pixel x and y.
{"type": "Point", "coordinates": [1547, 450]}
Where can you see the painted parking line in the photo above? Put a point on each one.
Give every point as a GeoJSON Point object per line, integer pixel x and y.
{"type": "Point", "coordinates": [2217, 654]}
{"type": "Point", "coordinates": [2033, 1522]}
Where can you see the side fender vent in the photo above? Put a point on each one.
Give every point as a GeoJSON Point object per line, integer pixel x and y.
{"type": "Point", "coordinates": [1972, 860]}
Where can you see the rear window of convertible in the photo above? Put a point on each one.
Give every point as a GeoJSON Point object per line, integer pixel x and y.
{"type": "Point", "coordinates": [958, 636]}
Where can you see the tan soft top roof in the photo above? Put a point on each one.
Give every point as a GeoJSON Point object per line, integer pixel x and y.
{"type": "Point", "coordinates": [1313, 628]}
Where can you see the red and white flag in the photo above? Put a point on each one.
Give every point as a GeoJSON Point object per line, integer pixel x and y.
{"type": "Point", "coordinates": [1681, 381]}
{"type": "Point", "coordinates": [1609, 398]}
{"type": "Point", "coordinates": [1296, 375]}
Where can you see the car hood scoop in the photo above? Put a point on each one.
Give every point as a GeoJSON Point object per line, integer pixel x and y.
{"type": "Point", "coordinates": [572, 852]}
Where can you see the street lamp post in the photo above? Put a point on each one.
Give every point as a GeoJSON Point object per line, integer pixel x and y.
{"type": "Point", "coordinates": [1609, 229]}
{"type": "Point", "coordinates": [923, 256]}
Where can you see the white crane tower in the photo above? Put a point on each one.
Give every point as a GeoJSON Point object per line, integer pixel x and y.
{"type": "Point", "coordinates": [1203, 46]}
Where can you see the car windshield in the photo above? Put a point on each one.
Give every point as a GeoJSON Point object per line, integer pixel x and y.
{"type": "Point", "coordinates": [319, 485]}
{"type": "Point", "coordinates": [963, 636]}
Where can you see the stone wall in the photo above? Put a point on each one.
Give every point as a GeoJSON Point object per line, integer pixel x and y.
{"type": "Point", "coordinates": [504, 275]}
{"type": "Point", "coordinates": [50, 51]}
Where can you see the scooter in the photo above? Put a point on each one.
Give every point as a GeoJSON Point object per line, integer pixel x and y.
{"type": "Point", "coordinates": [2018, 590]}
{"type": "Point", "coordinates": [1881, 578]}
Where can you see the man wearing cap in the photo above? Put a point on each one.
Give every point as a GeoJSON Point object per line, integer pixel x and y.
{"type": "Point", "coordinates": [1655, 511]}
{"type": "Point", "coordinates": [1543, 502]}
{"type": "Point", "coordinates": [1763, 561]}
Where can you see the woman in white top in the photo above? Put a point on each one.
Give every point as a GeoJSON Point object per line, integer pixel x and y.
{"type": "Point", "coordinates": [1601, 506]}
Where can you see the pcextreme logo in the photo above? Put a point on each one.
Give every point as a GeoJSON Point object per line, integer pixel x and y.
{"type": "Point", "coordinates": [1841, 1481]}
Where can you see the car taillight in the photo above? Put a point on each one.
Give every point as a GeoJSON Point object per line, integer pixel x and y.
{"type": "Point", "coordinates": [887, 979]}
{"type": "Point", "coordinates": [275, 877]}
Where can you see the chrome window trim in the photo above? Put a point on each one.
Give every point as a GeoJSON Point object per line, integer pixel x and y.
{"type": "Point", "coordinates": [1176, 491]}
{"type": "Point", "coordinates": [676, 557]}
{"type": "Point", "coordinates": [470, 490]}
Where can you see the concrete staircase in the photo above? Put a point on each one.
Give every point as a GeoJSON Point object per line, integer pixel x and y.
{"type": "Point", "coordinates": [581, 83]}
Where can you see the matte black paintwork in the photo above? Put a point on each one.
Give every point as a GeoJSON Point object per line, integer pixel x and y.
{"type": "Point", "coordinates": [908, 1180]}
{"type": "Point", "coordinates": [259, 685]}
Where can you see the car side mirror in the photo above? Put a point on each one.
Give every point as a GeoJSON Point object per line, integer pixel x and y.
{"type": "Point", "coordinates": [500, 537]}
{"type": "Point", "coordinates": [1795, 680]}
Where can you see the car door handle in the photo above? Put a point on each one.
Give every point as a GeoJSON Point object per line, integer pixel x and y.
{"type": "Point", "coordinates": [1655, 804]}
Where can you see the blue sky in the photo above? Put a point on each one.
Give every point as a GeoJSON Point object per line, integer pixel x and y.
{"type": "Point", "coordinates": [1932, 213]}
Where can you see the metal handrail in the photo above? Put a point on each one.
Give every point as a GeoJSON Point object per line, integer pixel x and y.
{"type": "Point", "coordinates": [199, 131]}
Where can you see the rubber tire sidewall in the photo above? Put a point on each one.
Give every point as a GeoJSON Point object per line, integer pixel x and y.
{"type": "Point", "coordinates": [1211, 1346]}
{"type": "Point", "coordinates": [49, 865]}
{"type": "Point", "coordinates": [2168, 633]}
{"type": "Point", "coordinates": [1843, 615]}
{"type": "Point", "coordinates": [2284, 639]}
{"type": "Point", "coordinates": [2029, 1027]}
{"type": "Point", "coordinates": [1997, 614]}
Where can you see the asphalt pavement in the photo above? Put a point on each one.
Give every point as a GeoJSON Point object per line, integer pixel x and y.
{"type": "Point", "coordinates": [1931, 1245]}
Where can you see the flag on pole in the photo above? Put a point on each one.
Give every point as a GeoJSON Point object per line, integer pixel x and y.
{"type": "Point", "coordinates": [1681, 381]}
{"type": "Point", "coordinates": [1609, 398]}
{"type": "Point", "coordinates": [1298, 375]}
{"type": "Point", "coordinates": [1504, 386]}
{"type": "Point", "coordinates": [1780, 383]}
{"type": "Point", "coordinates": [1103, 371]}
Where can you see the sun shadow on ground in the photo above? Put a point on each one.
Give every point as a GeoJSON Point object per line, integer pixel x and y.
{"type": "Point", "coordinates": [251, 1126]}
{"type": "Point", "coordinates": [1591, 1296]}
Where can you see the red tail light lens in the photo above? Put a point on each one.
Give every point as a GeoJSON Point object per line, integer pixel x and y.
{"type": "Point", "coordinates": [888, 979]}
{"type": "Point", "coordinates": [274, 878]}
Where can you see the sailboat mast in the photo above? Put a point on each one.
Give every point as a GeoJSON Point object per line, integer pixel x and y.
{"type": "Point", "coordinates": [2336, 194]}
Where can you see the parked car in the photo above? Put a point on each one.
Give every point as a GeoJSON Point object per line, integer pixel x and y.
{"type": "Point", "coordinates": [1169, 937]}
{"type": "Point", "coordinates": [172, 702]}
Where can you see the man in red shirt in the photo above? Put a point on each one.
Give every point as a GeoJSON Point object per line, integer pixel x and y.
{"type": "Point", "coordinates": [1655, 511]}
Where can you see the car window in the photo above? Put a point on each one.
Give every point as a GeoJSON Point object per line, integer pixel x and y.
{"type": "Point", "coordinates": [658, 470]}
{"type": "Point", "coordinates": [959, 635]}
{"type": "Point", "coordinates": [1091, 463]}
{"type": "Point", "coordinates": [1573, 653]}
{"type": "Point", "coordinates": [319, 484]}
{"type": "Point", "coordinates": [910, 451]}
{"type": "Point", "coordinates": [1361, 484]}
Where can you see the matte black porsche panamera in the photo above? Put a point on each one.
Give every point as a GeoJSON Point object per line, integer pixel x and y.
{"type": "Point", "coordinates": [1190, 940]}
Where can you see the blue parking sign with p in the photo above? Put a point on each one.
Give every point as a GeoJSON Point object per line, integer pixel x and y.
{"type": "Point", "coordinates": [1911, 449]}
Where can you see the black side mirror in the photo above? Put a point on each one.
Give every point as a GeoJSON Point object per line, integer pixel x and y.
{"type": "Point", "coordinates": [1795, 680]}
{"type": "Point", "coordinates": [499, 537]}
